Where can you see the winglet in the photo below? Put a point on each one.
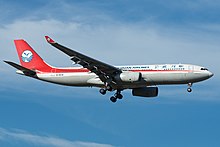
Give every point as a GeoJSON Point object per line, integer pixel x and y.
{"type": "Point", "coordinates": [49, 40]}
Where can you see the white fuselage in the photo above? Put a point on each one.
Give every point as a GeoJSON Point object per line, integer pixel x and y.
{"type": "Point", "coordinates": [141, 79]}
{"type": "Point", "coordinates": [151, 75]}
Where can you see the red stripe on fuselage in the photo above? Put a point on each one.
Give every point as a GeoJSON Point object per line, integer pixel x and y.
{"type": "Point", "coordinates": [61, 70]}
{"type": "Point", "coordinates": [71, 70]}
{"type": "Point", "coordinates": [83, 70]}
{"type": "Point", "coordinates": [160, 70]}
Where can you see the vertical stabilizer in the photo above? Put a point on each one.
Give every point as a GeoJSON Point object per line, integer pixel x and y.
{"type": "Point", "coordinates": [29, 58]}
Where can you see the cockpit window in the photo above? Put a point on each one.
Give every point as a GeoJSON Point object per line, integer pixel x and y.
{"type": "Point", "coordinates": [204, 69]}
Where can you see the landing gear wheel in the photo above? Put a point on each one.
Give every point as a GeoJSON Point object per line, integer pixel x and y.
{"type": "Point", "coordinates": [102, 91]}
{"type": "Point", "coordinates": [113, 99]}
{"type": "Point", "coordinates": [189, 89]}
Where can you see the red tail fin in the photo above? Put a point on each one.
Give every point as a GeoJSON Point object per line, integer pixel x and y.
{"type": "Point", "coordinates": [29, 58]}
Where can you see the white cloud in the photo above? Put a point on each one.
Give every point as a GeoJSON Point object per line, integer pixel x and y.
{"type": "Point", "coordinates": [114, 44]}
{"type": "Point", "coordinates": [23, 136]}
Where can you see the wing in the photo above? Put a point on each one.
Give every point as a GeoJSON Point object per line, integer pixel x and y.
{"type": "Point", "coordinates": [105, 71]}
{"type": "Point", "coordinates": [26, 71]}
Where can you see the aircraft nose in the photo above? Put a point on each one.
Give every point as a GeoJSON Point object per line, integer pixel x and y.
{"type": "Point", "coordinates": [210, 74]}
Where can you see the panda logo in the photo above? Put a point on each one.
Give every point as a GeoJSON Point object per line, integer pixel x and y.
{"type": "Point", "coordinates": [27, 56]}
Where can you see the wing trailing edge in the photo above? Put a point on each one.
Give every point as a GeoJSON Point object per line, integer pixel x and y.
{"type": "Point", "coordinates": [105, 71]}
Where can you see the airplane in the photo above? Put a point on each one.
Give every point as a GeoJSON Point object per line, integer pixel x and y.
{"type": "Point", "coordinates": [141, 79]}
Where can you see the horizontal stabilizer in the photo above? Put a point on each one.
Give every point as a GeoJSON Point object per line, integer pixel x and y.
{"type": "Point", "coordinates": [26, 71]}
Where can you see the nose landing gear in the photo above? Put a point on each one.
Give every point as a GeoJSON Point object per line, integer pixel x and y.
{"type": "Point", "coordinates": [189, 89]}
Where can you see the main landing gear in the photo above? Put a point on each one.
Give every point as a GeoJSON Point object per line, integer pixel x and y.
{"type": "Point", "coordinates": [104, 90]}
{"type": "Point", "coordinates": [189, 89]}
{"type": "Point", "coordinates": [116, 96]}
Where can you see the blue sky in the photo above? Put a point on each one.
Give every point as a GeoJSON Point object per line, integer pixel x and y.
{"type": "Point", "coordinates": [34, 113]}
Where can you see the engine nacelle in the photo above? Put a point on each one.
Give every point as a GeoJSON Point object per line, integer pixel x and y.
{"type": "Point", "coordinates": [128, 77]}
{"type": "Point", "coordinates": [145, 91]}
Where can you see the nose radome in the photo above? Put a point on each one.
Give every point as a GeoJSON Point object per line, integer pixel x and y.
{"type": "Point", "coordinates": [210, 74]}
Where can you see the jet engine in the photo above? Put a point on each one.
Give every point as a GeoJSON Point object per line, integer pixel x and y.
{"type": "Point", "coordinates": [128, 77]}
{"type": "Point", "coordinates": [145, 91]}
